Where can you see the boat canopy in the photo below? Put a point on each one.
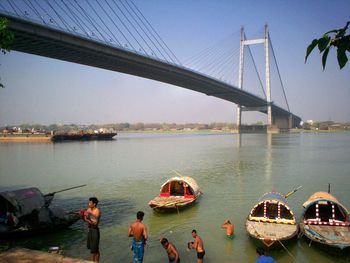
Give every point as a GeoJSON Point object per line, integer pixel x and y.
{"type": "Point", "coordinates": [272, 207]}
{"type": "Point", "coordinates": [323, 208]}
{"type": "Point", "coordinates": [21, 202]}
{"type": "Point", "coordinates": [180, 186]}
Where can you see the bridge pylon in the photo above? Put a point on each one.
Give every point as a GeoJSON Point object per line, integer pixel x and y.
{"type": "Point", "coordinates": [271, 125]}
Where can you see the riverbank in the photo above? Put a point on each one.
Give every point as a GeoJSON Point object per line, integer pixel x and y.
{"type": "Point", "coordinates": [15, 255]}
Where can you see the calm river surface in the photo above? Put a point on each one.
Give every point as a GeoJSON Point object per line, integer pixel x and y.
{"type": "Point", "coordinates": [232, 170]}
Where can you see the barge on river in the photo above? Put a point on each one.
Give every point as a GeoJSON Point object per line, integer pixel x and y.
{"type": "Point", "coordinates": [57, 137]}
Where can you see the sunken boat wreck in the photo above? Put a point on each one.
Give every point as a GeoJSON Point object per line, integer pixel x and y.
{"type": "Point", "coordinates": [27, 211]}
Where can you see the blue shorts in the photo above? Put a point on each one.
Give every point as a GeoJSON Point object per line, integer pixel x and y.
{"type": "Point", "coordinates": [138, 247]}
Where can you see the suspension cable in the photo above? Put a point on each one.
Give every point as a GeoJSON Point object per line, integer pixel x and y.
{"type": "Point", "coordinates": [279, 75]}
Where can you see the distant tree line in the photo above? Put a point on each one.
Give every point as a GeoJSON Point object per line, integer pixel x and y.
{"type": "Point", "coordinates": [125, 126]}
{"type": "Point", "coordinates": [140, 126]}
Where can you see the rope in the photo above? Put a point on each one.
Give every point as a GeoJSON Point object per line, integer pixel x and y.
{"type": "Point", "coordinates": [290, 254]}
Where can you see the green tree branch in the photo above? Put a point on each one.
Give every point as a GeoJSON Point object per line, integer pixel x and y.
{"type": "Point", "coordinates": [338, 38]}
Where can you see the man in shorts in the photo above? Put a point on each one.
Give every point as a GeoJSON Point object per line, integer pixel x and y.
{"type": "Point", "coordinates": [198, 246]}
{"type": "Point", "coordinates": [92, 216]}
{"type": "Point", "coordinates": [138, 231]}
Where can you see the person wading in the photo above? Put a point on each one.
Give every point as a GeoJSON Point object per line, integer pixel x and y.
{"type": "Point", "coordinates": [198, 246]}
{"type": "Point", "coordinates": [173, 254]}
{"type": "Point", "coordinates": [138, 231]}
{"type": "Point", "coordinates": [92, 216]}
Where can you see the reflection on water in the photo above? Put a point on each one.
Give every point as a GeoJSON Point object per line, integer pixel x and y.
{"type": "Point", "coordinates": [232, 170]}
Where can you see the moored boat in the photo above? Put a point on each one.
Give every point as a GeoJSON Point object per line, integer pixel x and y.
{"type": "Point", "coordinates": [83, 136]}
{"type": "Point", "coordinates": [271, 220]}
{"type": "Point", "coordinates": [326, 221]}
{"type": "Point", "coordinates": [176, 193]}
{"type": "Point", "coordinates": [26, 212]}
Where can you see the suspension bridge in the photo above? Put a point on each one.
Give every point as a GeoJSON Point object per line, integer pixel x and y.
{"type": "Point", "coordinates": [115, 35]}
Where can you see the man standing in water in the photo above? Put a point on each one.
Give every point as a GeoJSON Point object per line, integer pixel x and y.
{"type": "Point", "coordinates": [138, 231]}
{"type": "Point", "coordinates": [198, 246]}
{"type": "Point", "coordinates": [173, 254]}
{"type": "Point", "coordinates": [92, 217]}
{"type": "Point", "coordinates": [229, 228]}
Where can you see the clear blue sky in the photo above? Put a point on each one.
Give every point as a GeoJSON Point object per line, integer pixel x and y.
{"type": "Point", "coordinates": [46, 91]}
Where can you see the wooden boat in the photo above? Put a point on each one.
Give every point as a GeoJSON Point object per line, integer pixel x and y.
{"type": "Point", "coordinates": [26, 212]}
{"type": "Point", "coordinates": [326, 221]}
{"type": "Point", "coordinates": [271, 220]}
{"type": "Point", "coordinates": [176, 193]}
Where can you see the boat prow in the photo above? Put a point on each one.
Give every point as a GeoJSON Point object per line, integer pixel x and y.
{"type": "Point", "coordinates": [271, 220]}
{"type": "Point", "coordinates": [326, 221]}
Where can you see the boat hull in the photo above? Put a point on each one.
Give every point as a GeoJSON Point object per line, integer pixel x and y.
{"type": "Point", "coordinates": [25, 230]}
{"type": "Point", "coordinates": [171, 204]}
{"type": "Point", "coordinates": [337, 237]}
{"type": "Point", "coordinates": [271, 235]}
{"type": "Point", "coordinates": [83, 137]}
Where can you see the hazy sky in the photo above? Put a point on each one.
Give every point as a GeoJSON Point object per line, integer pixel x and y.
{"type": "Point", "coordinates": [46, 91]}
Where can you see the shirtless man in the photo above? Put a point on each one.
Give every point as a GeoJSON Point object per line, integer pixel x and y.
{"type": "Point", "coordinates": [138, 230]}
{"type": "Point", "coordinates": [229, 228]}
{"type": "Point", "coordinates": [92, 217]}
{"type": "Point", "coordinates": [173, 254]}
{"type": "Point", "coordinates": [198, 246]}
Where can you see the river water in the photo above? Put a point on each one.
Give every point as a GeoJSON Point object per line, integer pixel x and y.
{"type": "Point", "coordinates": [232, 170]}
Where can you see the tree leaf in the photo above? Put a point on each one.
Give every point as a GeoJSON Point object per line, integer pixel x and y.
{"type": "Point", "coordinates": [324, 57]}
{"type": "Point", "coordinates": [323, 43]}
{"type": "Point", "coordinates": [342, 58]}
{"type": "Point", "coordinates": [310, 48]}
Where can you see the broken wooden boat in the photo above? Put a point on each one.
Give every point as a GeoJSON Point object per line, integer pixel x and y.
{"type": "Point", "coordinates": [326, 221]}
{"type": "Point", "coordinates": [271, 220]}
{"type": "Point", "coordinates": [26, 212]}
{"type": "Point", "coordinates": [176, 193]}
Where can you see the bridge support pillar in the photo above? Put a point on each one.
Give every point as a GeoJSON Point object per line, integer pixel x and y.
{"type": "Point", "coordinates": [239, 118]}
{"type": "Point", "coordinates": [280, 123]}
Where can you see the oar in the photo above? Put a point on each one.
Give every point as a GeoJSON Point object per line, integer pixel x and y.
{"type": "Point", "coordinates": [292, 192]}
{"type": "Point", "coordinates": [49, 196]}
{"type": "Point", "coordinates": [53, 193]}
{"type": "Point", "coordinates": [177, 173]}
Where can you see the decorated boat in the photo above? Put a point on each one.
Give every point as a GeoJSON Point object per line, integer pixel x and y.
{"type": "Point", "coordinates": [176, 193]}
{"type": "Point", "coordinates": [26, 212]}
{"type": "Point", "coordinates": [326, 221]}
{"type": "Point", "coordinates": [271, 221]}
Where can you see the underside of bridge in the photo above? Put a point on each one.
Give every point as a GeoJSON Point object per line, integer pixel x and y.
{"type": "Point", "coordinates": [45, 41]}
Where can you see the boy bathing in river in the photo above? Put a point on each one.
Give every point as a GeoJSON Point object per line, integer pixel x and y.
{"type": "Point", "coordinates": [229, 228]}
{"type": "Point", "coordinates": [173, 254]}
